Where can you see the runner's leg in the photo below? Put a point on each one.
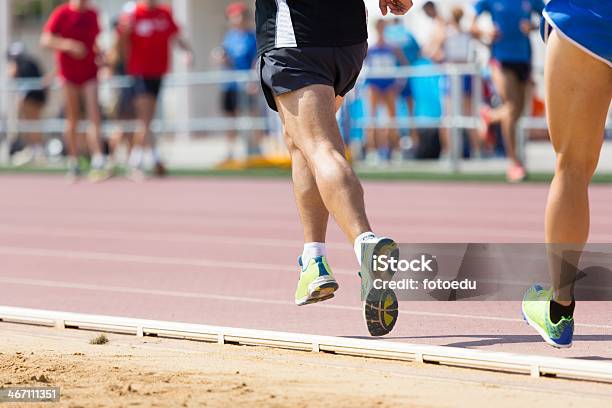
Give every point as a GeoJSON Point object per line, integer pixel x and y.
{"type": "Point", "coordinates": [512, 93]}
{"type": "Point", "coordinates": [92, 109]}
{"type": "Point", "coordinates": [313, 213]}
{"type": "Point", "coordinates": [308, 116]}
{"type": "Point", "coordinates": [577, 106]}
{"type": "Point", "coordinates": [145, 104]}
{"type": "Point", "coordinates": [72, 113]}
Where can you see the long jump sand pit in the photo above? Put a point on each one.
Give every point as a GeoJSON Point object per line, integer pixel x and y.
{"type": "Point", "coordinates": [131, 371]}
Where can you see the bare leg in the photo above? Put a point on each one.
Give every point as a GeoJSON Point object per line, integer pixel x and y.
{"type": "Point", "coordinates": [372, 142]}
{"type": "Point", "coordinates": [313, 213]}
{"type": "Point", "coordinates": [512, 92]}
{"type": "Point", "coordinates": [92, 108]}
{"type": "Point", "coordinates": [577, 108]}
{"type": "Point", "coordinates": [390, 100]}
{"type": "Point", "coordinates": [472, 133]}
{"type": "Point", "coordinates": [309, 120]}
{"type": "Point", "coordinates": [145, 105]}
{"type": "Point", "coordinates": [231, 136]}
{"type": "Point", "coordinates": [72, 111]}
{"type": "Point", "coordinates": [32, 111]}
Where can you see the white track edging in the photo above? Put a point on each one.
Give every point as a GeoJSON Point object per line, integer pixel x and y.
{"type": "Point", "coordinates": [533, 365]}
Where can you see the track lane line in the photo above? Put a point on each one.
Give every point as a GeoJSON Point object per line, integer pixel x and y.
{"type": "Point", "coordinates": [155, 260]}
{"type": "Point", "coordinates": [198, 295]}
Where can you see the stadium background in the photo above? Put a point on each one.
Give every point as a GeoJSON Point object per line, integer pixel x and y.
{"type": "Point", "coordinates": [204, 24]}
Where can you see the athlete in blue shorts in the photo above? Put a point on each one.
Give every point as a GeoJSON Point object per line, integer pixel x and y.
{"type": "Point", "coordinates": [383, 93]}
{"type": "Point", "coordinates": [511, 66]}
{"type": "Point", "coordinates": [398, 35]}
{"type": "Point", "coordinates": [578, 79]}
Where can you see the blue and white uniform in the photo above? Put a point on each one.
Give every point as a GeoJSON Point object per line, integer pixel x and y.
{"type": "Point", "coordinates": [379, 57]}
{"type": "Point", "coordinates": [586, 23]}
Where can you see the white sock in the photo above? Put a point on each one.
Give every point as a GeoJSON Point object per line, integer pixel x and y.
{"type": "Point", "coordinates": [312, 250]}
{"type": "Point", "coordinates": [97, 161]}
{"type": "Point", "coordinates": [135, 160]}
{"type": "Point", "coordinates": [156, 155]}
{"type": "Point", "coordinates": [361, 239]}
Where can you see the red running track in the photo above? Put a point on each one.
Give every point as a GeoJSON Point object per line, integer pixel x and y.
{"type": "Point", "coordinates": [223, 251]}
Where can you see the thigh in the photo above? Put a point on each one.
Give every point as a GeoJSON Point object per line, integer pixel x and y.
{"type": "Point", "coordinates": [375, 97]}
{"type": "Point", "coordinates": [90, 96]}
{"type": "Point", "coordinates": [31, 109]}
{"type": "Point", "coordinates": [72, 95]}
{"type": "Point", "coordinates": [339, 101]}
{"type": "Point", "coordinates": [513, 87]}
{"type": "Point", "coordinates": [499, 80]}
{"type": "Point", "coordinates": [309, 117]}
{"type": "Point", "coordinates": [577, 104]}
{"type": "Point", "coordinates": [390, 103]}
{"type": "Point", "coordinates": [145, 104]}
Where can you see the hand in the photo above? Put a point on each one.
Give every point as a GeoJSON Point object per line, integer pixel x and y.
{"type": "Point", "coordinates": [496, 34]}
{"type": "Point", "coordinates": [253, 88]}
{"type": "Point", "coordinates": [126, 23]}
{"type": "Point", "coordinates": [397, 7]}
{"type": "Point", "coordinates": [218, 57]}
{"type": "Point", "coordinates": [189, 59]}
{"type": "Point", "coordinates": [75, 49]}
{"type": "Point", "coordinates": [526, 27]}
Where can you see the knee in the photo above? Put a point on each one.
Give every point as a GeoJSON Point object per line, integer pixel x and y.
{"type": "Point", "coordinates": [577, 167]}
{"type": "Point", "coordinates": [71, 126]}
{"type": "Point", "coordinates": [291, 147]}
{"type": "Point", "coordinates": [515, 110]}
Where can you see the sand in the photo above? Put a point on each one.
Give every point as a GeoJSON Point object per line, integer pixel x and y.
{"type": "Point", "coordinates": [153, 372]}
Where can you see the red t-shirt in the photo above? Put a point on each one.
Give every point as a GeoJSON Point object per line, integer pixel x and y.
{"type": "Point", "coordinates": [149, 40]}
{"type": "Point", "coordinates": [80, 25]}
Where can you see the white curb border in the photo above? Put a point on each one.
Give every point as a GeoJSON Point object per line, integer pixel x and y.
{"type": "Point", "coordinates": [535, 366]}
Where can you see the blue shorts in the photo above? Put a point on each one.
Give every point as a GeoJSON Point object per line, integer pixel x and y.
{"type": "Point", "coordinates": [586, 23]}
{"type": "Point", "coordinates": [380, 84]}
{"type": "Point", "coordinates": [466, 85]}
{"type": "Point", "coordinates": [407, 90]}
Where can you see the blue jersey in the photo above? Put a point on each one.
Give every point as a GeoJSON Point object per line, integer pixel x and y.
{"type": "Point", "coordinates": [513, 45]}
{"type": "Point", "coordinates": [587, 23]}
{"type": "Point", "coordinates": [240, 48]}
{"type": "Point", "coordinates": [379, 57]}
{"type": "Point", "coordinates": [400, 37]}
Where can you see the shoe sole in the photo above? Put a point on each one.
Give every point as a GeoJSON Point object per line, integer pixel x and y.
{"type": "Point", "coordinates": [542, 333]}
{"type": "Point", "coordinates": [99, 179]}
{"type": "Point", "coordinates": [319, 290]}
{"type": "Point", "coordinates": [380, 309]}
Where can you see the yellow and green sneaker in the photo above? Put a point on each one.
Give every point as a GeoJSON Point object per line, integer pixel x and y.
{"type": "Point", "coordinates": [536, 312]}
{"type": "Point", "coordinates": [316, 282]}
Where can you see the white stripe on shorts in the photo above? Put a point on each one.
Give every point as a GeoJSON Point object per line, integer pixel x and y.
{"type": "Point", "coordinates": [285, 36]}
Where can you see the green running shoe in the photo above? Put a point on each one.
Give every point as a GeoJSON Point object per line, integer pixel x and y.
{"type": "Point", "coordinates": [536, 312]}
{"type": "Point", "coordinates": [380, 306]}
{"type": "Point", "coordinates": [99, 175]}
{"type": "Point", "coordinates": [316, 282]}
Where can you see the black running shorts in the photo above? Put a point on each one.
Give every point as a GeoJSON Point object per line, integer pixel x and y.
{"type": "Point", "coordinates": [285, 70]}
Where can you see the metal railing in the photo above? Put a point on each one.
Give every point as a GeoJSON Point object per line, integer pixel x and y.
{"type": "Point", "coordinates": [452, 119]}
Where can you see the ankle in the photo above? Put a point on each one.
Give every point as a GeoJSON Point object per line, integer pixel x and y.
{"type": "Point", "coordinates": [313, 250]}
{"type": "Point", "coordinates": [359, 241]}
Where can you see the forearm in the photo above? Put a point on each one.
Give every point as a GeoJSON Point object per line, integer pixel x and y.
{"type": "Point", "coordinates": [184, 44]}
{"type": "Point", "coordinates": [475, 30]}
{"type": "Point", "coordinates": [54, 42]}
